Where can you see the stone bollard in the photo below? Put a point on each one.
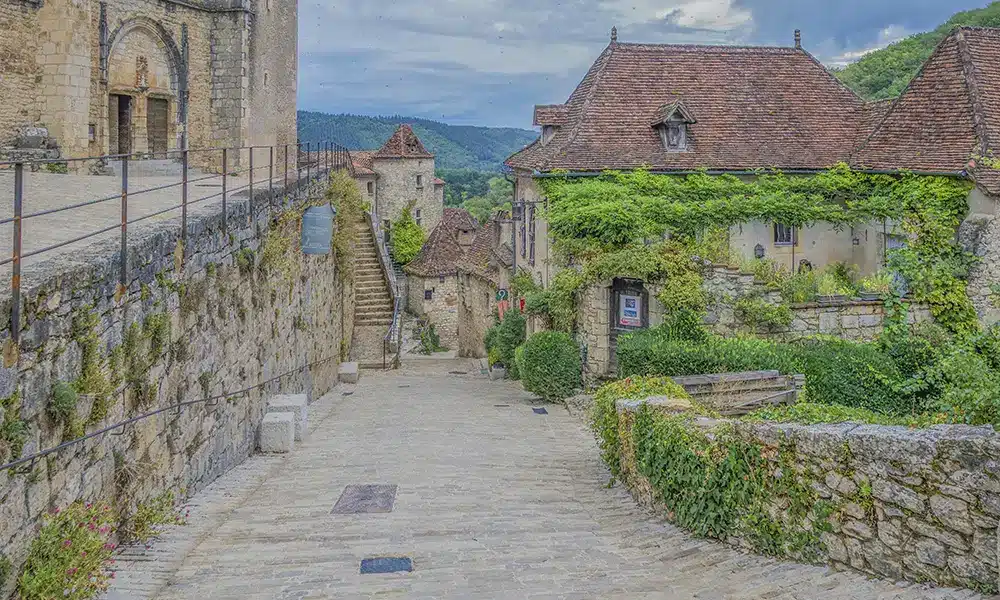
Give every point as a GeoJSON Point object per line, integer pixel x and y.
{"type": "Point", "coordinates": [348, 372]}
{"type": "Point", "coordinates": [277, 433]}
{"type": "Point", "coordinates": [298, 406]}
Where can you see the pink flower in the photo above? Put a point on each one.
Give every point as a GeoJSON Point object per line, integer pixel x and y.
{"type": "Point", "coordinates": [109, 546]}
{"type": "Point", "coordinates": [89, 505]}
{"type": "Point", "coordinates": [56, 511]}
{"type": "Point", "coordinates": [112, 574]}
{"type": "Point", "coordinates": [91, 527]}
{"type": "Point", "coordinates": [71, 571]}
{"type": "Point", "coordinates": [68, 543]}
{"type": "Point", "coordinates": [83, 554]}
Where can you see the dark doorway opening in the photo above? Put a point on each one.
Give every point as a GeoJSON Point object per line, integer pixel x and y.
{"type": "Point", "coordinates": [629, 311]}
{"type": "Point", "coordinates": [157, 113]}
{"type": "Point", "coordinates": [120, 124]}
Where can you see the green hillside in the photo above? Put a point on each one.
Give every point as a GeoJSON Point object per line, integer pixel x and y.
{"type": "Point", "coordinates": [885, 73]}
{"type": "Point", "coordinates": [454, 146]}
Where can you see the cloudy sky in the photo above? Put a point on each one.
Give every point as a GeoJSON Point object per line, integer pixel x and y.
{"type": "Point", "coordinates": [488, 62]}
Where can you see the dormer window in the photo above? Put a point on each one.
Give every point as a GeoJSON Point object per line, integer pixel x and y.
{"type": "Point", "coordinates": [671, 122]}
{"type": "Point", "coordinates": [548, 131]}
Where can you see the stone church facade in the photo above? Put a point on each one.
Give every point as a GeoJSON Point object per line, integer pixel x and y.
{"type": "Point", "coordinates": [88, 77]}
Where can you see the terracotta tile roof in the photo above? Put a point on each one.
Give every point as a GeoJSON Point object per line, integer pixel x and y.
{"type": "Point", "coordinates": [441, 252]}
{"type": "Point", "coordinates": [487, 255]}
{"type": "Point", "coordinates": [931, 126]}
{"type": "Point", "coordinates": [755, 107]}
{"type": "Point", "coordinates": [439, 181]}
{"type": "Point", "coordinates": [362, 160]}
{"type": "Point", "coordinates": [439, 256]}
{"type": "Point", "coordinates": [403, 144]}
{"type": "Point", "coordinates": [459, 218]}
{"type": "Point", "coordinates": [551, 114]}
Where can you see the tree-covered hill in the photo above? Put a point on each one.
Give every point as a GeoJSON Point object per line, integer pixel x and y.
{"type": "Point", "coordinates": [886, 72]}
{"type": "Point", "coordinates": [455, 146]}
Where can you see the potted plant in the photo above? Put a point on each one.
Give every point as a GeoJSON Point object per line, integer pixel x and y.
{"type": "Point", "coordinates": [498, 370]}
{"type": "Point", "coordinates": [876, 287]}
{"type": "Point", "coordinates": [832, 290]}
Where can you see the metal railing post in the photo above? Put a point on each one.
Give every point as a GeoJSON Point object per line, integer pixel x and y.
{"type": "Point", "coordinates": [270, 173]}
{"type": "Point", "coordinates": [225, 189]}
{"type": "Point", "coordinates": [123, 273]}
{"type": "Point", "coordinates": [286, 169]}
{"type": "Point", "coordinates": [309, 165]}
{"type": "Point", "coordinates": [184, 201]}
{"type": "Point", "coordinates": [15, 278]}
{"type": "Point", "coordinates": [253, 215]}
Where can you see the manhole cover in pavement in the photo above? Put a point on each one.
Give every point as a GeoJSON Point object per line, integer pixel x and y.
{"type": "Point", "coordinates": [540, 411]}
{"type": "Point", "coordinates": [348, 393]}
{"type": "Point", "coordinates": [501, 405]}
{"type": "Point", "coordinates": [458, 372]}
{"type": "Point", "coordinates": [358, 499]}
{"type": "Point", "coordinates": [386, 564]}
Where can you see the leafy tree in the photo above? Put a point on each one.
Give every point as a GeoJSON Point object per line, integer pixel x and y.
{"type": "Point", "coordinates": [885, 73]}
{"type": "Point", "coordinates": [499, 196]}
{"type": "Point", "coordinates": [407, 237]}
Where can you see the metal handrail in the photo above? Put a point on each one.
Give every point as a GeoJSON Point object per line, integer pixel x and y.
{"type": "Point", "coordinates": [395, 328]}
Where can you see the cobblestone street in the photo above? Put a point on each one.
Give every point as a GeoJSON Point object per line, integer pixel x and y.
{"type": "Point", "coordinates": [494, 501]}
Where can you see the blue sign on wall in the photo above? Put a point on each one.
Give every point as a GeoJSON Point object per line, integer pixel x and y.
{"type": "Point", "coordinates": [317, 229]}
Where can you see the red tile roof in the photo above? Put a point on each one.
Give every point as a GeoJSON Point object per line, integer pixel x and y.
{"type": "Point", "coordinates": [551, 114]}
{"type": "Point", "coordinates": [441, 252]}
{"type": "Point", "coordinates": [755, 107]}
{"type": "Point", "coordinates": [949, 113]}
{"type": "Point", "coordinates": [362, 160]}
{"type": "Point", "coordinates": [487, 255]}
{"type": "Point", "coordinates": [403, 144]}
{"type": "Point", "coordinates": [439, 181]}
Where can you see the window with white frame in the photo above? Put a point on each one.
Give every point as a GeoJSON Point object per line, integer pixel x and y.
{"type": "Point", "coordinates": [785, 235]}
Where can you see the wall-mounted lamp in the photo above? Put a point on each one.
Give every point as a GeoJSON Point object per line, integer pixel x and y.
{"type": "Point", "coordinates": [758, 251]}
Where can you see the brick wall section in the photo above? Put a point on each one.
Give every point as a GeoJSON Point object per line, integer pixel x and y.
{"type": "Point", "coordinates": [442, 309]}
{"type": "Point", "coordinates": [909, 504]}
{"type": "Point", "coordinates": [397, 186]}
{"type": "Point", "coordinates": [235, 327]}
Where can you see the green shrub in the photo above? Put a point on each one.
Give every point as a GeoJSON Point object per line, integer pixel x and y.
{"type": "Point", "coordinates": [550, 365]}
{"type": "Point", "coordinates": [69, 557]}
{"type": "Point", "coordinates": [970, 389]}
{"type": "Point", "coordinates": [915, 352]}
{"type": "Point", "coordinates": [406, 237]}
{"type": "Point", "coordinates": [537, 303]}
{"type": "Point", "coordinates": [808, 413]}
{"type": "Point", "coordinates": [655, 352]}
{"type": "Point", "coordinates": [430, 341]}
{"type": "Point", "coordinates": [502, 340]}
{"type": "Point", "coordinates": [62, 407]}
{"type": "Point", "coordinates": [757, 312]}
{"type": "Point", "coordinates": [800, 288]}
{"type": "Point", "coordinates": [854, 375]}
{"type": "Point", "coordinates": [604, 418]}
{"type": "Point", "coordinates": [685, 325]}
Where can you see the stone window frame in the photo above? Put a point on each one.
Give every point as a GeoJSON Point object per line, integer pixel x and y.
{"type": "Point", "coordinates": [680, 128]}
{"type": "Point", "coordinates": [416, 215]}
{"type": "Point", "coordinates": [371, 188]}
{"type": "Point", "coordinates": [420, 182]}
{"type": "Point", "coordinates": [786, 235]}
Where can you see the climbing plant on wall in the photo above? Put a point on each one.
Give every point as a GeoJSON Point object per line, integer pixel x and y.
{"type": "Point", "coordinates": [609, 220]}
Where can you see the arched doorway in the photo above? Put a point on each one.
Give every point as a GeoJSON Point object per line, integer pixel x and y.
{"type": "Point", "coordinates": [144, 108]}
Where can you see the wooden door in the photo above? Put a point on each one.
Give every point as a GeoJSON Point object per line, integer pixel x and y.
{"type": "Point", "coordinates": [157, 115]}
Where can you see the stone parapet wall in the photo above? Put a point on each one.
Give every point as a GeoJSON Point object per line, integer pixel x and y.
{"type": "Point", "coordinates": [921, 505]}
{"type": "Point", "coordinates": [226, 310]}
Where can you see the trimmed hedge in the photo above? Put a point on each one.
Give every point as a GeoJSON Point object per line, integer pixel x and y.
{"type": "Point", "coordinates": [550, 365]}
{"type": "Point", "coordinates": [837, 372]}
{"type": "Point", "coordinates": [502, 340]}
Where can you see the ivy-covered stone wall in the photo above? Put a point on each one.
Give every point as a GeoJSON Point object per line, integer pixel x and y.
{"type": "Point", "coordinates": [915, 504]}
{"type": "Point", "coordinates": [227, 311]}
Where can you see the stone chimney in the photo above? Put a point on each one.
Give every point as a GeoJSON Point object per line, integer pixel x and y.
{"type": "Point", "coordinates": [798, 39]}
{"type": "Point", "coordinates": [614, 34]}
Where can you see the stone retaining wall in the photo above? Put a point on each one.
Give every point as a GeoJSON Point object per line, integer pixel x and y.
{"type": "Point", "coordinates": [921, 505]}
{"type": "Point", "coordinates": [243, 306]}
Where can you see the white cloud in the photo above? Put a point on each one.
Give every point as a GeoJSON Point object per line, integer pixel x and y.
{"type": "Point", "coordinates": [888, 35]}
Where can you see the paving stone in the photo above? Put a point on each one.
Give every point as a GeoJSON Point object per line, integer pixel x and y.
{"type": "Point", "coordinates": [491, 504]}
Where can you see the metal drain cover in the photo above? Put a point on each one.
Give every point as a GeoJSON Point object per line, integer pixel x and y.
{"type": "Point", "coordinates": [501, 405]}
{"type": "Point", "coordinates": [359, 499]}
{"type": "Point", "coordinates": [386, 564]}
{"type": "Point", "coordinates": [540, 411]}
{"type": "Point", "coordinates": [458, 372]}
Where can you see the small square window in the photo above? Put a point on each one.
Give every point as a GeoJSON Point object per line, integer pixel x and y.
{"type": "Point", "coordinates": [417, 216]}
{"type": "Point", "coordinates": [785, 235]}
{"type": "Point", "coordinates": [428, 294]}
{"type": "Point", "coordinates": [420, 181]}
{"type": "Point", "coordinates": [371, 188]}
{"type": "Point", "coordinates": [441, 279]}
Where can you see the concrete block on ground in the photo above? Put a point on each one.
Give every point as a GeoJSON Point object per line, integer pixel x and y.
{"type": "Point", "coordinates": [498, 373]}
{"type": "Point", "coordinates": [298, 406]}
{"type": "Point", "coordinates": [348, 372]}
{"type": "Point", "coordinates": [277, 433]}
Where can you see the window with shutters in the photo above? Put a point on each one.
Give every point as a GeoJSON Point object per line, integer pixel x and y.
{"type": "Point", "coordinates": [785, 235]}
{"type": "Point", "coordinates": [531, 236]}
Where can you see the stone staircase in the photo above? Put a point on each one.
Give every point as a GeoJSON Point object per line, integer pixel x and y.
{"type": "Point", "coordinates": [373, 308]}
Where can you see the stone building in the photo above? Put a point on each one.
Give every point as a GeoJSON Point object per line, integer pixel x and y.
{"type": "Point", "coordinates": [432, 277]}
{"type": "Point", "coordinates": [89, 77]}
{"type": "Point", "coordinates": [483, 270]}
{"type": "Point", "coordinates": [398, 173]}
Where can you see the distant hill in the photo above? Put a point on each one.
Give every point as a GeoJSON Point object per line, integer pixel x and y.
{"type": "Point", "coordinates": [885, 73]}
{"type": "Point", "coordinates": [454, 146]}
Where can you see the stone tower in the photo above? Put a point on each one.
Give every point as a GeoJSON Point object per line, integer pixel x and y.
{"type": "Point", "coordinates": [406, 174]}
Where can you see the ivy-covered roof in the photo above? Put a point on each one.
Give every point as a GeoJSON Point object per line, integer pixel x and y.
{"type": "Point", "coordinates": [756, 107]}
